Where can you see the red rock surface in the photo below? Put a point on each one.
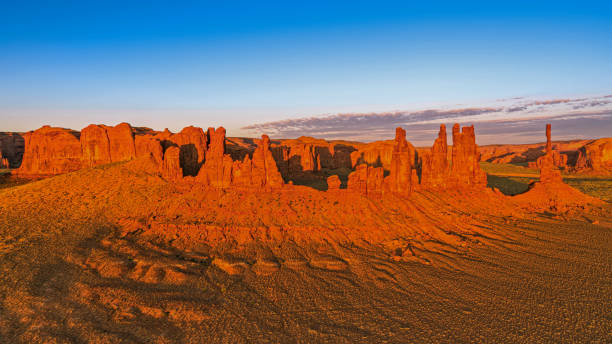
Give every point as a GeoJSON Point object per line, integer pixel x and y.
{"type": "Point", "coordinates": [333, 183]}
{"type": "Point", "coordinates": [171, 168]}
{"type": "Point", "coordinates": [596, 157]}
{"type": "Point", "coordinates": [149, 145]}
{"type": "Point", "coordinates": [121, 141]}
{"type": "Point", "coordinates": [399, 179]}
{"type": "Point", "coordinates": [217, 169]}
{"type": "Point", "coordinates": [306, 154]}
{"type": "Point", "coordinates": [192, 143]}
{"type": "Point", "coordinates": [434, 164]}
{"type": "Point", "coordinates": [12, 147]}
{"type": "Point", "coordinates": [366, 180]}
{"type": "Point", "coordinates": [95, 145]}
{"type": "Point", "coordinates": [465, 169]}
{"type": "Point", "coordinates": [260, 171]}
{"type": "Point", "coordinates": [549, 173]}
{"type": "Point", "coordinates": [51, 151]}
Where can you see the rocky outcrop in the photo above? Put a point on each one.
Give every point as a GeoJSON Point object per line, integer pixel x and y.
{"type": "Point", "coordinates": [596, 157]}
{"type": "Point", "coordinates": [4, 163]}
{"type": "Point", "coordinates": [307, 154]}
{"type": "Point", "coordinates": [366, 180]}
{"type": "Point", "coordinates": [258, 172]}
{"type": "Point", "coordinates": [192, 143]}
{"type": "Point", "coordinates": [549, 173]}
{"type": "Point", "coordinates": [51, 151]}
{"type": "Point", "coordinates": [149, 145]}
{"type": "Point", "coordinates": [399, 179]}
{"type": "Point", "coordinates": [465, 168]}
{"type": "Point", "coordinates": [101, 144]}
{"type": "Point", "coordinates": [12, 146]}
{"type": "Point", "coordinates": [378, 154]}
{"type": "Point", "coordinates": [95, 145]}
{"type": "Point", "coordinates": [333, 183]}
{"type": "Point", "coordinates": [171, 166]}
{"type": "Point", "coordinates": [217, 169]}
{"type": "Point", "coordinates": [434, 164]}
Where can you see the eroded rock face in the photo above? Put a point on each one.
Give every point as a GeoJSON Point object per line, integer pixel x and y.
{"type": "Point", "coordinates": [465, 169]}
{"type": "Point", "coordinates": [549, 173]}
{"type": "Point", "coordinates": [192, 145]}
{"type": "Point", "coordinates": [171, 167]}
{"type": "Point", "coordinates": [307, 154]}
{"type": "Point", "coordinates": [95, 145]}
{"type": "Point", "coordinates": [399, 179]}
{"type": "Point", "coordinates": [149, 145]}
{"type": "Point", "coordinates": [217, 170]}
{"type": "Point", "coordinates": [333, 183]}
{"type": "Point", "coordinates": [259, 172]}
{"type": "Point", "coordinates": [12, 146]}
{"type": "Point", "coordinates": [121, 142]}
{"type": "Point", "coordinates": [596, 156]}
{"type": "Point", "coordinates": [434, 164]}
{"type": "Point", "coordinates": [366, 180]}
{"type": "Point", "coordinates": [51, 151]}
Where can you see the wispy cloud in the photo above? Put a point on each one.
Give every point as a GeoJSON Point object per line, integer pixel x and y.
{"type": "Point", "coordinates": [513, 120]}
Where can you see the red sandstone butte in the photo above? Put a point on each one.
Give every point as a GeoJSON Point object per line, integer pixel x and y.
{"type": "Point", "coordinates": [149, 145]}
{"type": "Point", "coordinates": [596, 156]}
{"type": "Point", "coordinates": [171, 167]}
{"type": "Point", "coordinates": [217, 169]}
{"type": "Point", "coordinates": [399, 179]}
{"type": "Point", "coordinates": [260, 171]}
{"type": "Point", "coordinates": [465, 168]}
{"type": "Point", "coordinates": [434, 164]}
{"type": "Point", "coordinates": [549, 173]}
{"type": "Point", "coordinates": [50, 151]}
{"type": "Point", "coordinates": [366, 180]}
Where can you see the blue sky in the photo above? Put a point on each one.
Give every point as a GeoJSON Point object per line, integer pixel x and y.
{"type": "Point", "coordinates": [163, 64]}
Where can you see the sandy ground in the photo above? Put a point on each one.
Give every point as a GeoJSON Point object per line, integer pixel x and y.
{"type": "Point", "coordinates": [69, 275]}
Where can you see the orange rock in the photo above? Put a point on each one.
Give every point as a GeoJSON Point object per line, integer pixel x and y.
{"type": "Point", "coordinates": [596, 156]}
{"type": "Point", "coordinates": [434, 164]}
{"type": "Point", "coordinates": [171, 167]}
{"type": "Point", "coordinates": [549, 173]}
{"type": "Point", "coordinates": [366, 180]}
{"type": "Point", "coordinates": [121, 142]}
{"type": "Point", "coordinates": [192, 145]}
{"type": "Point", "coordinates": [465, 169]}
{"type": "Point", "coordinates": [260, 172]}
{"type": "Point", "coordinates": [149, 145]}
{"type": "Point", "coordinates": [217, 169]}
{"type": "Point", "coordinates": [95, 145]}
{"type": "Point", "coordinates": [51, 151]}
{"type": "Point", "coordinates": [399, 180]}
{"type": "Point", "coordinates": [333, 182]}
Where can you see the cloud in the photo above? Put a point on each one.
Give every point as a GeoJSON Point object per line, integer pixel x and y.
{"type": "Point", "coordinates": [512, 119]}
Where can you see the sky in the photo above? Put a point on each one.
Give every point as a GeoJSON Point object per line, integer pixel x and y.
{"type": "Point", "coordinates": [272, 67]}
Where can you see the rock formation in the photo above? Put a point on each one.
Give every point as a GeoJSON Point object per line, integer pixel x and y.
{"type": "Point", "coordinates": [307, 154]}
{"type": "Point", "coordinates": [549, 173]}
{"type": "Point", "coordinates": [192, 143]}
{"type": "Point", "coordinates": [12, 146]}
{"type": "Point", "coordinates": [465, 169]}
{"type": "Point", "coordinates": [149, 145]}
{"type": "Point", "coordinates": [260, 171]}
{"type": "Point", "coordinates": [378, 154]}
{"type": "Point", "coordinates": [366, 180]}
{"type": "Point", "coordinates": [217, 169]}
{"type": "Point", "coordinates": [434, 164]}
{"type": "Point", "coordinates": [95, 145]}
{"type": "Point", "coordinates": [333, 183]}
{"type": "Point", "coordinates": [51, 151]}
{"type": "Point", "coordinates": [399, 179]}
{"type": "Point", "coordinates": [171, 167]}
{"type": "Point", "coordinates": [595, 156]}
